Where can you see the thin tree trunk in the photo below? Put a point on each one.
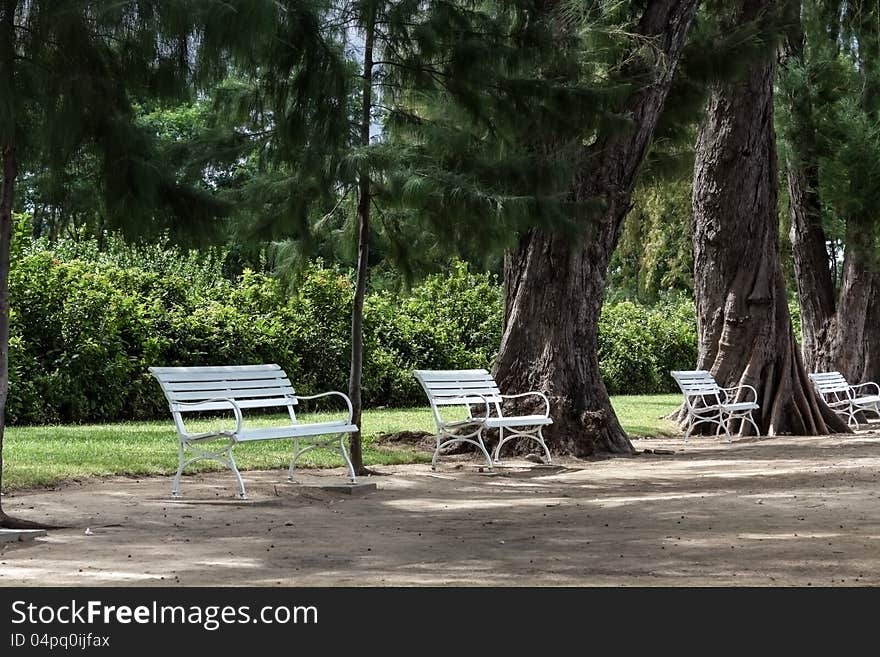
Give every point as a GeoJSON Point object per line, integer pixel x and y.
{"type": "Point", "coordinates": [743, 323]}
{"type": "Point", "coordinates": [814, 275]}
{"type": "Point", "coordinates": [7, 192]}
{"type": "Point", "coordinates": [7, 196]}
{"type": "Point", "coordinates": [101, 233]}
{"type": "Point", "coordinates": [812, 266]}
{"type": "Point", "coordinates": [363, 246]}
{"type": "Point", "coordinates": [554, 287]}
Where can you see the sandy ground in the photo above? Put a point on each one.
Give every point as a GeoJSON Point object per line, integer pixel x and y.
{"type": "Point", "coordinates": [783, 511]}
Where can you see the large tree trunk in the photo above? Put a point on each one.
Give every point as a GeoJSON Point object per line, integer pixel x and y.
{"type": "Point", "coordinates": [554, 286]}
{"type": "Point", "coordinates": [841, 333]}
{"type": "Point", "coordinates": [363, 247]}
{"type": "Point", "coordinates": [743, 323]}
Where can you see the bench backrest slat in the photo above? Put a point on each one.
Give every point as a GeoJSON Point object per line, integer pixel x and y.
{"type": "Point", "coordinates": [829, 382]}
{"type": "Point", "coordinates": [694, 383]}
{"type": "Point", "coordinates": [458, 387]}
{"type": "Point", "coordinates": [242, 403]}
{"type": "Point", "coordinates": [251, 386]}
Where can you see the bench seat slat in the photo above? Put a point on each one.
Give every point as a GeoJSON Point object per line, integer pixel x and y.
{"type": "Point", "coordinates": [457, 385]}
{"type": "Point", "coordinates": [452, 392]}
{"type": "Point", "coordinates": [455, 375]}
{"type": "Point", "coordinates": [518, 421]}
{"type": "Point", "coordinates": [295, 431]}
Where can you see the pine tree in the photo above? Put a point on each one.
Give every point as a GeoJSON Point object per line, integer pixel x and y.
{"type": "Point", "coordinates": [554, 286]}
{"type": "Point", "coordinates": [744, 327]}
{"type": "Point", "coordinates": [830, 115]}
{"type": "Point", "coordinates": [425, 115]}
{"type": "Point", "coordinates": [68, 73]}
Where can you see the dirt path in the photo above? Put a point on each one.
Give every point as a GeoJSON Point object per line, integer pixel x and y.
{"type": "Point", "coordinates": [802, 511]}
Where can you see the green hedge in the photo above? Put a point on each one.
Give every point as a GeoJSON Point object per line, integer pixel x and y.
{"type": "Point", "coordinates": [639, 345]}
{"type": "Point", "coordinates": [84, 333]}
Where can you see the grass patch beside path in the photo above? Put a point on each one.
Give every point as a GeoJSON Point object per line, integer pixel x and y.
{"type": "Point", "coordinates": [46, 455]}
{"type": "Point", "coordinates": [643, 415]}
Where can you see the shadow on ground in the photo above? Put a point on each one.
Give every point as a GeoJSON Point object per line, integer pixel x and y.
{"type": "Point", "coordinates": [783, 511]}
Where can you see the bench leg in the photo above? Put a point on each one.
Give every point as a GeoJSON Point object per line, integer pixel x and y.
{"type": "Point", "coordinates": [436, 453]}
{"type": "Point", "coordinates": [724, 423]}
{"type": "Point", "coordinates": [497, 453]}
{"type": "Point", "coordinates": [534, 434]}
{"type": "Point", "coordinates": [475, 439]}
{"type": "Point", "coordinates": [175, 485]}
{"type": "Point", "coordinates": [297, 452]}
{"type": "Point", "coordinates": [291, 471]}
{"type": "Point", "coordinates": [483, 449]}
{"type": "Point", "coordinates": [242, 495]}
{"type": "Point", "coordinates": [694, 419]}
{"type": "Point", "coordinates": [540, 439]}
{"type": "Point", "coordinates": [351, 473]}
{"type": "Point", "coordinates": [223, 456]}
{"type": "Point", "coordinates": [754, 424]}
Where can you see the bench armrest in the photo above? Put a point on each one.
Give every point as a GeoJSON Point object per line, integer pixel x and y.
{"type": "Point", "coordinates": [732, 393]}
{"type": "Point", "coordinates": [236, 409]}
{"type": "Point", "coordinates": [533, 393]}
{"type": "Point", "coordinates": [869, 383]}
{"type": "Point", "coordinates": [332, 393]}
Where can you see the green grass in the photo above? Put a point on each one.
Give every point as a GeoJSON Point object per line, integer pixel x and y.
{"type": "Point", "coordinates": [45, 455]}
{"type": "Point", "coordinates": [644, 415]}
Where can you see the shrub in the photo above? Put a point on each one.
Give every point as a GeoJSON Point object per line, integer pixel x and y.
{"type": "Point", "coordinates": [84, 333]}
{"type": "Point", "coordinates": [639, 345]}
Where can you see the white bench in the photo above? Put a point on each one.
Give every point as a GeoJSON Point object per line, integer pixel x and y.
{"type": "Point", "coordinates": [476, 389]}
{"type": "Point", "coordinates": [708, 403]}
{"type": "Point", "coordinates": [845, 399]}
{"type": "Point", "coordinates": [236, 388]}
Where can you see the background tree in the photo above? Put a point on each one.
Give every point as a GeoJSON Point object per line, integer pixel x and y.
{"type": "Point", "coordinates": [420, 112]}
{"type": "Point", "coordinates": [830, 111]}
{"type": "Point", "coordinates": [68, 74]}
{"type": "Point", "coordinates": [554, 286]}
{"type": "Point", "coordinates": [744, 327]}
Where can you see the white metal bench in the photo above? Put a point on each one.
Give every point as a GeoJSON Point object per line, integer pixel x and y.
{"type": "Point", "coordinates": [235, 388]}
{"type": "Point", "coordinates": [845, 399]}
{"type": "Point", "coordinates": [476, 389]}
{"type": "Point", "coordinates": [708, 403]}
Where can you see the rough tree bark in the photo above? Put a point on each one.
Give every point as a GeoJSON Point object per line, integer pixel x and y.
{"type": "Point", "coordinates": [355, 386]}
{"type": "Point", "coordinates": [554, 288]}
{"type": "Point", "coordinates": [743, 323]}
{"type": "Point", "coordinates": [840, 332]}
